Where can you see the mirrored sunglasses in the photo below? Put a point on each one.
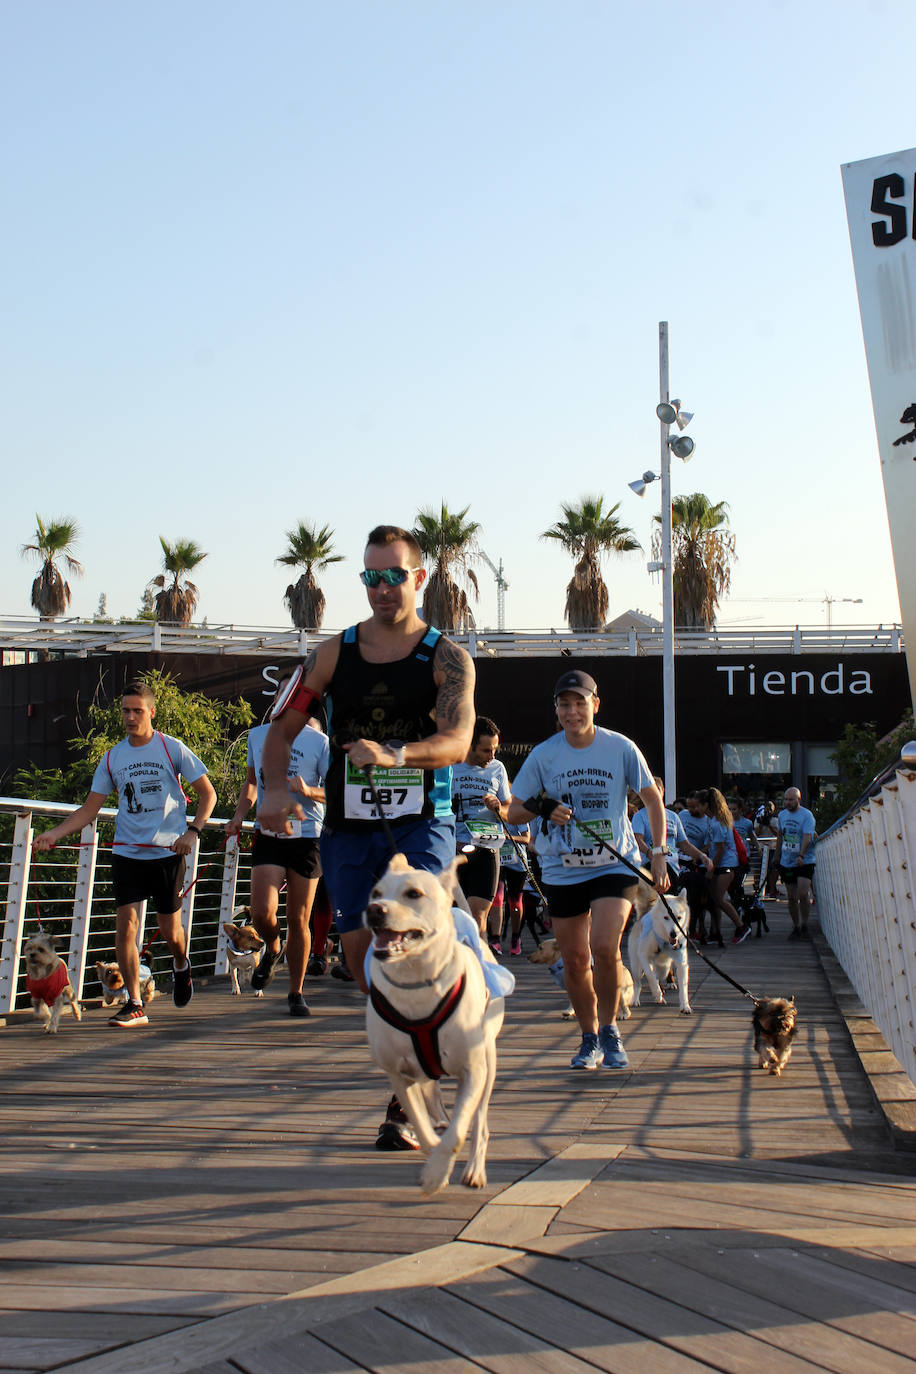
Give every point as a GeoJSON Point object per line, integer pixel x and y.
{"type": "Point", "coordinates": [392, 577]}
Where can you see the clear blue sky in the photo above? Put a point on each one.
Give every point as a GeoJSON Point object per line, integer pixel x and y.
{"type": "Point", "coordinates": [270, 261]}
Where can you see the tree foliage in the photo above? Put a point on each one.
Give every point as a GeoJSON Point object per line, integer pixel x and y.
{"type": "Point", "coordinates": [54, 540]}
{"type": "Point", "coordinates": [589, 532]}
{"type": "Point", "coordinates": [448, 542]}
{"type": "Point", "coordinates": [860, 756]}
{"type": "Point", "coordinates": [215, 730]}
{"type": "Point", "coordinates": [703, 551]}
{"type": "Point", "coordinates": [311, 549]}
{"type": "Point", "coordinates": [177, 600]}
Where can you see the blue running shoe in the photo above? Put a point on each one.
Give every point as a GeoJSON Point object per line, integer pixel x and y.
{"type": "Point", "coordinates": [588, 1054]}
{"type": "Point", "coordinates": [611, 1047]}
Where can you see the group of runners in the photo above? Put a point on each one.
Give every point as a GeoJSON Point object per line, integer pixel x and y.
{"type": "Point", "coordinates": [402, 735]}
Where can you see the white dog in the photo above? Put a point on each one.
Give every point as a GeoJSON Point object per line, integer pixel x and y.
{"type": "Point", "coordinates": [656, 944]}
{"type": "Point", "coordinates": [429, 1014]}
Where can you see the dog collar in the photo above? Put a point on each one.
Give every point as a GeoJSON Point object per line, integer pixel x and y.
{"type": "Point", "coordinates": [424, 1033]}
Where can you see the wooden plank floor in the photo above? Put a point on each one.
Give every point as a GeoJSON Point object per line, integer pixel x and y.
{"type": "Point", "coordinates": [204, 1196]}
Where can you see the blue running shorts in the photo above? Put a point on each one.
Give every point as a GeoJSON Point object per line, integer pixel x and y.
{"type": "Point", "coordinates": [352, 861]}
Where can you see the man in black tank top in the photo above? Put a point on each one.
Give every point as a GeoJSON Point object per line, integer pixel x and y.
{"type": "Point", "coordinates": [400, 700]}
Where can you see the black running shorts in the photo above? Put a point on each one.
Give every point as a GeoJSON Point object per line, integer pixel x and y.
{"type": "Point", "coordinates": [298, 855]}
{"type": "Point", "coordinates": [158, 881]}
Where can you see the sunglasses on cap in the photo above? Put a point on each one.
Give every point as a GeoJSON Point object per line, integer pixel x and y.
{"type": "Point", "coordinates": [392, 577]}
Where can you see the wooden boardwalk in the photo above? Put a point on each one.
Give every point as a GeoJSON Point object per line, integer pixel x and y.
{"type": "Point", "coordinates": [204, 1196]}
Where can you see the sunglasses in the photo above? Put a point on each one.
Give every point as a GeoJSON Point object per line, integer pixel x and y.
{"type": "Point", "coordinates": [392, 577]}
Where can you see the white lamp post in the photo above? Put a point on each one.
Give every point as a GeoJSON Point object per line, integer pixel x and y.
{"type": "Point", "coordinates": [669, 413]}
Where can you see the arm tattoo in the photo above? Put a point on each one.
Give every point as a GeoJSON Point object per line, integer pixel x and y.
{"type": "Point", "coordinates": [455, 700]}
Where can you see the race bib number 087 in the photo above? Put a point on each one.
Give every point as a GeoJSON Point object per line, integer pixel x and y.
{"type": "Point", "coordinates": [399, 792]}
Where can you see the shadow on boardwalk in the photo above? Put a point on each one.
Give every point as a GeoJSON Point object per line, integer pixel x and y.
{"type": "Point", "coordinates": [204, 1196]}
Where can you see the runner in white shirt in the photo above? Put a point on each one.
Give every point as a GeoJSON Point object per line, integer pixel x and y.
{"type": "Point", "coordinates": [152, 838]}
{"type": "Point", "coordinates": [480, 801]}
{"type": "Point", "coordinates": [291, 859]}
{"type": "Point", "coordinates": [583, 774]}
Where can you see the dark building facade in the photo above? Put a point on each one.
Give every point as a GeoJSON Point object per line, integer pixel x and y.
{"type": "Point", "coordinates": [753, 724]}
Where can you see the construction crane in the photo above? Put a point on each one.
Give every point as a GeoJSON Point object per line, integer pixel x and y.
{"type": "Point", "coordinates": [502, 586]}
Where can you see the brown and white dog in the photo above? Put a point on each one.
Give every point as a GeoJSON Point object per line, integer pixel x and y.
{"type": "Point", "coordinates": [548, 953]}
{"type": "Point", "coordinates": [113, 989]}
{"type": "Point", "coordinates": [429, 1015]}
{"type": "Point", "coordinates": [48, 981]}
{"type": "Point", "coordinates": [774, 1023]}
{"type": "Point", "coordinates": [243, 950]}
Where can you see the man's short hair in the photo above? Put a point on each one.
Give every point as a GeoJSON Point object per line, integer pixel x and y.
{"type": "Point", "coordinates": [140, 689]}
{"type": "Point", "coordinates": [483, 725]}
{"type": "Point", "coordinates": [383, 535]}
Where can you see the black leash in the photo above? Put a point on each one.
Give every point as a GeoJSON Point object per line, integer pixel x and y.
{"type": "Point", "coordinates": [647, 877]}
{"type": "Point", "coordinates": [389, 833]}
{"type": "Point", "coordinates": [523, 860]}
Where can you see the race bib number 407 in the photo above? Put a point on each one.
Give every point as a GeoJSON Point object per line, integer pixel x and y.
{"type": "Point", "coordinates": [399, 792]}
{"type": "Point", "coordinates": [588, 854]}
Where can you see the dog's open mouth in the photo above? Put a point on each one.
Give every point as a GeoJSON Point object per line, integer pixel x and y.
{"type": "Point", "coordinates": [387, 942]}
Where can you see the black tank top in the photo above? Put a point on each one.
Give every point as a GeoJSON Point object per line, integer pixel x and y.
{"type": "Point", "coordinates": [392, 703]}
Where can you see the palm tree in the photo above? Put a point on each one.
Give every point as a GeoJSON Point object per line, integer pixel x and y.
{"type": "Point", "coordinates": [177, 601]}
{"type": "Point", "coordinates": [703, 551]}
{"type": "Point", "coordinates": [587, 531]}
{"type": "Point", "coordinates": [449, 543]}
{"type": "Point", "coordinates": [50, 593]}
{"type": "Point", "coordinates": [308, 548]}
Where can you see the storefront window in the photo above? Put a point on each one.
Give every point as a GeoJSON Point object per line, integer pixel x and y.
{"type": "Point", "coordinates": [823, 773]}
{"type": "Point", "coordinates": [758, 772]}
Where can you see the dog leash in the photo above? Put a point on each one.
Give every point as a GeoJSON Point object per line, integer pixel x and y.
{"type": "Point", "coordinates": [389, 833]}
{"type": "Point", "coordinates": [523, 860]}
{"type": "Point", "coordinates": [647, 877]}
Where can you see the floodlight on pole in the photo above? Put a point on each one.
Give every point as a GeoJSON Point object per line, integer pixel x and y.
{"type": "Point", "coordinates": [639, 486]}
{"type": "Point", "coordinates": [682, 447]}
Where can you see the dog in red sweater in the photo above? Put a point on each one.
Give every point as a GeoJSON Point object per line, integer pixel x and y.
{"type": "Point", "coordinates": [48, 981]}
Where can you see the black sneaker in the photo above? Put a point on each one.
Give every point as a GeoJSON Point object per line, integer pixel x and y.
{"type": "Point", "coordinates": [317, 966]}
{"type": "Point", "coordinates": [396, 1132]}
{"type": "Point", "coordinates": [182, 987]}
{"type": "Point", "coordinates": [265, 970]}
{"type": "Point", "coordinates": [342, 972]}
{"type": "Point", "coordinates": [129, 1015]}
{"type": "Point", "coordinates": [297, 1004]}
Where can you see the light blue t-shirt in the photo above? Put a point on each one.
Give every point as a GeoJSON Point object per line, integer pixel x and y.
{"type": "Point", "coordinates": [594, 782]}
{"type": "Point", "coordinates": [152, 808]}
{"type": "Point", "coordinates": [792, 826]}
{"type": "Point", "coordinates": [474, 823]}
{"type": "Point", "coordinates": [696, 828]}
{"type": "Point", "coordinates": [674, 834]}
{"type": "Point", "coordinates": [309, 759]}
{"type": "Point", "coordinates": [722, 834]}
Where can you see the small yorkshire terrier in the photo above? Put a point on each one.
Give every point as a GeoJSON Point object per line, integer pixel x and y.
{"type": "Point", "coordinates": [113, 989]}
{"type": "Point", "coordinates": [48, 981]}
{"type": "Point", "coordinates": [774, 1030]}
{"type": "Point", "coordinates": [243, 949]}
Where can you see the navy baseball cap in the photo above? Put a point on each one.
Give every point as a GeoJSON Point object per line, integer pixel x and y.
{"type": "Point", "coordinates": [576, 681]}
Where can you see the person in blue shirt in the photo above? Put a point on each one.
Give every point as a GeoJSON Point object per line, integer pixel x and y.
{"type": "Point", "coordinates": [795, 857]}
{"type": "Point", "coordinates": [583, 773]}
{"type": "Point", "coordinates": [676, 841]}
{"type": "Point", "coordinates": [724, 856]}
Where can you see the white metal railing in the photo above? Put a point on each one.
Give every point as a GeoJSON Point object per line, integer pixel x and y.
{"type": "Point", "coordinates": [80, 638]}
{"type": "Point", "coordinates": [68, 893]}
{"type": "Point", "coordinates": [866, 895]}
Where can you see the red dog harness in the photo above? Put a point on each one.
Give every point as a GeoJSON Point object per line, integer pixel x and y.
{"type": "Point", "coordinates": [48, 989]}
{"type": "Point", "coordinates": [424, 1034]}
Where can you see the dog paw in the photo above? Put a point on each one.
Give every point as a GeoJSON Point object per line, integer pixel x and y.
{"type": "Point", "coordinates": [686, 1011]}
{"type": "Point", "coordinates": [259, 993]}
{"type": "Point", "coordinates": [474, 1177]}
{"type": "Point", "coordinates": [436, 1171]}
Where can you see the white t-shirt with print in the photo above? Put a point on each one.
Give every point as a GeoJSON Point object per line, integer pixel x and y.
{"type": "Point", "coordinates": [474, 823]}
{"type": "Point", "coordinates": [309, 759]}
{"type": "Point", "coordinates": [152, 808]}
{"type": "Point", "coordinates": [594, 782]}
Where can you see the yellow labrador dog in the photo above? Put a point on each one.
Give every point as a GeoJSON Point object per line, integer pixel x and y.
{"type": "Point", "coordinates": [429, 1015]}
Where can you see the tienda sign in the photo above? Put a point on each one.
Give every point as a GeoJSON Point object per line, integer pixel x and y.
{"type": "Point", "coordinates": [744, 679]}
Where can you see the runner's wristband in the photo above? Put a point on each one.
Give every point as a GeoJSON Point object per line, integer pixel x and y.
{"type": "Point", "coordinates": [659, 849]}
{"type": "Point", "coordinates": [195, 828]}
{"type": "Point", "coordinates": [542, 806]}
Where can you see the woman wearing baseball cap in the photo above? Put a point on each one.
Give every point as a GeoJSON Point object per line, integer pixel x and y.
{"type": "Point", "coordinates": [583, 774]}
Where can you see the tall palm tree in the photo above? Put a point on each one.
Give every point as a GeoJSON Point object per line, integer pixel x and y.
{"type": "Point", "coordinates": [588, 531]}
{"type": "Point", "coordinates": [54, 539]}
{"type": "Point", "coordinates": [176, 601]}
{"type": "Point", "coordinates": [308, 548]}
{"type": "Point", "coordinates": [703, 551]}
{"type": "Point", "coordinates": [449, 542]}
